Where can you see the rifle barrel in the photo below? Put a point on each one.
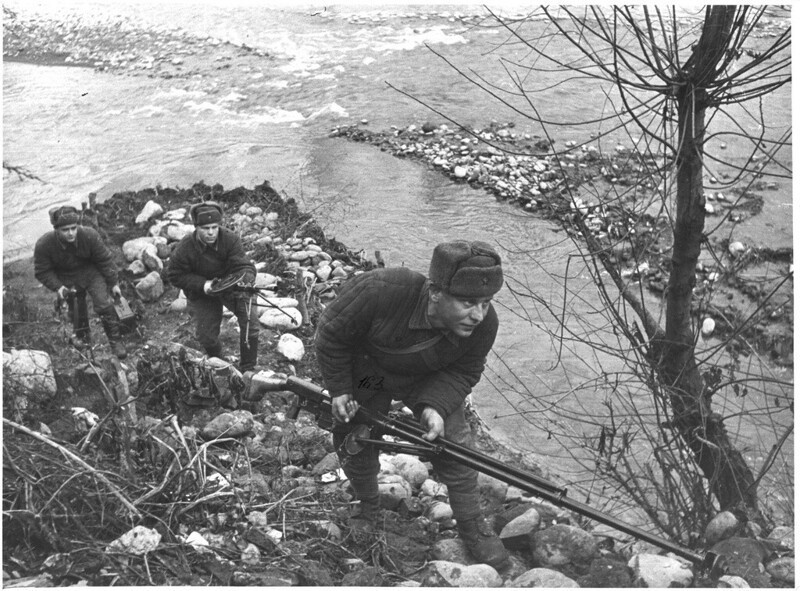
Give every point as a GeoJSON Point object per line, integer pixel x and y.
{"type": "Point", "coordinates": [523, 480]}
{"type": "Point", "coordinates": [318, 401]}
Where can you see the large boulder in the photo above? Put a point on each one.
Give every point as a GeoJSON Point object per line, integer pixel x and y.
{"type": "Point", "coordinates": [411, 468]}
{"type": "Point", "coordinates": [439, 511]}
{"type": "Point", "coordinates": [744, 557]}
{"type": "Point", "coordinates": [782, 570]}
{"type": "Point", "coordinates": [440, 573]}
{"type": "Point", "coordinates": [655, 570]}
{"type": "Point", "coordinates": [151, 287]}
{"type": "Point", "coordinates": [229, 424]}
{"type": "Point", "coordinates": [283, 318]}
{"type": "Point", "coordinates": [451, 550]}
{"type": "Point", "coordinates": [176, 231]}
{"type": "Point", "coordinates": [607, 573]}
{"type": "Point", "coordinates": [782, 535]}
{"type": "Point", "coordinates": [150, 210]}
{"type": "Point", "coordinates": [392, 488]}
{"type": "Point", "coordinates": [291, 347]}
{"type": "Point", "coordinates": [431, 488]}
{"type": "Point", "coordinates": [132, 249]}
{"type": "Point", "coordinates": [516, 535]}
{"type": "Point", "coordinates": [28, 371]}
{"type": "Point", "coordinates": [723, 525]}
{"type": "Point", "coordinates": [264, 280]}
{"type": "Point", "coordinates": [542, 577]}
{"type": "Point", "coordinates": [563, 544]}
{"type": "Point", "coordinates": [151, 259]}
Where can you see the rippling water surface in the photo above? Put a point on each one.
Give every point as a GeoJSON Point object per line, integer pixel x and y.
{"type": "Point", "coordinates": [83, 131]}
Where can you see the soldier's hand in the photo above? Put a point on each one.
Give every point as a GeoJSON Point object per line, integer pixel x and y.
{"type": "Point", "coordinates": [63, 292]}
{"type": "Point", "coordinates": [116, 291]}
{"type": "Point", "coordinates": [207, 286]}
{"type": "Point", "coordinates": [343, 408]}
{"type": "Point", "coordinates": [433, 422]}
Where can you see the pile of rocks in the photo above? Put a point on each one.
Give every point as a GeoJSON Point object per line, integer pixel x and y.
{"type": "Point", "coordinates": [115, 44]}
{"type": "Point", "coordinates": [547, 545]}
{"type": "Point", "coordinates": [553, 180]}
{"type": "Point", "coordinates": [261, 232]}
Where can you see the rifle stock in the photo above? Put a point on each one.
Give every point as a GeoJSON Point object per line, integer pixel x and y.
{"type": "Point", "coordinates": [316, 400]}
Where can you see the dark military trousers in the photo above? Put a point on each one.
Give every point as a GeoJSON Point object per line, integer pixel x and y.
{"type": "Point", "coordinates": [207, 312]}
{"type": "Point", "coordinates": [87, 280]}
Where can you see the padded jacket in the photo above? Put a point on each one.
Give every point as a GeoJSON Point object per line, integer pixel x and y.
{"type": "Point", "coordinates": [192, 263]}
{"type": "Point", "coordinates": [55, 260]}
{"type": "Point", "coordinates": [375, 339]}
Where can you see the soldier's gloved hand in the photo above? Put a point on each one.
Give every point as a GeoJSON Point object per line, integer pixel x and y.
{"type": "Point", "coordinates": [116, 291]}
{"type": "Point", "coordinates": [207, 286]}
{"type": "Point", "coordinates": [343, 408]}
{"type": "Point", "coordinates": [433, 422]}
{"type": "Point", "coordinates": [63, 292]}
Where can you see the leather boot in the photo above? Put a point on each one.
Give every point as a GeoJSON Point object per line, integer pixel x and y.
{"type": "Point", "coordinates": [214, 351]}
{"type": "Point", "coordinates": [482, 542]}
{"type": "Point", "coordinates": [111, 327]}
{"type": "Point", "coordinates": [365, 515]}
{"type": "Point", "coordinates": [249, 355]}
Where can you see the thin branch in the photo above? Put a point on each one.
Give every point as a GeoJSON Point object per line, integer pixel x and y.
{"type": "Point", "coordinates": [133, 511]}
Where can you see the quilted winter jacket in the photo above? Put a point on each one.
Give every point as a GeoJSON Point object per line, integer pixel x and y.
{"type": "Point", "coordinates": [193, 263]}
{"type": "Point", "coordinates": [375, 338]}
{"type": "Point", "coordinates": [55, 260]}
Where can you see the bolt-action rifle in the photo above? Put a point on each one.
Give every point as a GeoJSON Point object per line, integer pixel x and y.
{"type": "Point", "coordinates": [371, 426]}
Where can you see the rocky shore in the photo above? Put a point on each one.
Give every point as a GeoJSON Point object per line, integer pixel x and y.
{"type": "Point", "coordinates": [735, 280]}
{"type": "Point", "coordinates": [118, 47]}
{"type": "Point", "coordinates": [278, 514]}
{"type": "Point", "coordinates": [564, 182]}
{"type": "Point", "coordinates": [230, 491]}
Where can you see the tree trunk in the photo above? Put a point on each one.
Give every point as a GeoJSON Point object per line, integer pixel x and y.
{"type": "Point", "coordinates": [730, 478]}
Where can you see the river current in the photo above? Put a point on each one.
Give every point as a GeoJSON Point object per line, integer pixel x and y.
{"type": "Point", "coordinates": [83, 131]}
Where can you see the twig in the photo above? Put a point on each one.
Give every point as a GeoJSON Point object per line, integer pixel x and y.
{"type": "Point", "coordinates": [179, 433]}
{"type": "Point", "coordinates": [208, 497]}
{"type": "Point", "coordinates": [133, 511]}
{"type": "Point", "coordinates": [773, 454]}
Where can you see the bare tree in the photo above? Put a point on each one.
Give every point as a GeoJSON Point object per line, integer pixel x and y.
{"type": "Point", "coordinates": [666, 78]}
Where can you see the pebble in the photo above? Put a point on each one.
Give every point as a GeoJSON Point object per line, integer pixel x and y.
{"type": "Point", "coordinates": [440, 573]}
{"type": "Point", "coordinates": [657, 571]}
{"type": "Point", "coordinates": [708, 327]}
{"type": "Point", "coordinates": [724, 524]}
{"type": "Point", "coordinates": [291, 347]}
{"type": "Point", "coordinates": [283, 318]}
{"type": "Point", "coordinates": [736, 249]}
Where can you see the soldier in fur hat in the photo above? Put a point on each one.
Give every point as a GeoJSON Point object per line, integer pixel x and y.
{"type": "Point", "coordinates": [214, 252]}
{"type": "Point", "coordinates": [72, 260]}
{"type": "Point", "coordinates": [395, 334]}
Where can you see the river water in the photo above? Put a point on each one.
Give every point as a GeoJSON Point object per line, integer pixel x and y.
{"type": "Point", "coordinates": [83, 131]}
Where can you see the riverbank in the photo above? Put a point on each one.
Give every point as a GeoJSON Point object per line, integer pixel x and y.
{"type": "Point", "coordinates": [166, 68]}
{"type": "Point", "coordinates": [287, 472]}
{"type": "Point", "coordinates": [119, 47]}
{"type": "Point", "coordinates": [745, 290]}
{"type": "Point", "coordinates": [740, 283]}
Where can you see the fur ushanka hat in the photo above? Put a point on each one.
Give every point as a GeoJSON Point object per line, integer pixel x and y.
{"type": "Point", "coordinates": [66, 215]}
{"type": "Point", "coordinates": [207, 212]}
{"type": "Point", "coordinates": [466, 269]}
